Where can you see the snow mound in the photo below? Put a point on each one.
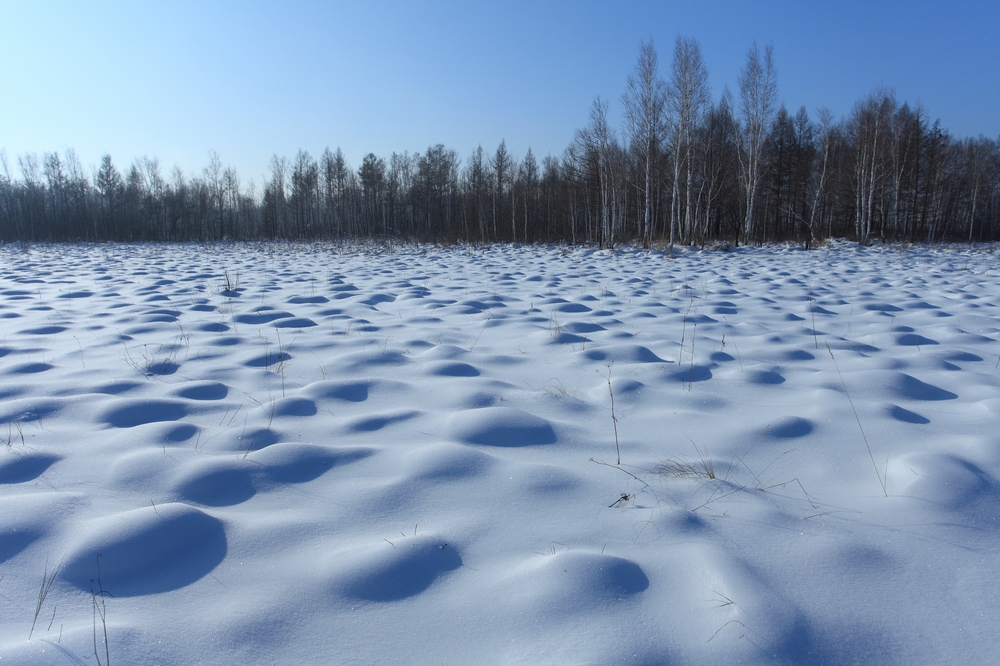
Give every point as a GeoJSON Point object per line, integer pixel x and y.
{"type": "Point", "coordinates": [789, 427]}
{"type": "Point", "coordinates": [293, 462]}
{"type": "Point", "coordinates": [392, 569]}
{"type": "Point", "coordinates": [203, 390]}
{"type": "Point", "coordinates": [947, 480]}
{"type": "Point", "coordinates": [446, 461]}
{"type": "Point", "coordinates": [18, 467]}
{"type": "Point", "coordinates": [623, 354]}
{"type": "Point", "coordinates": [579, 579]}
{"type": "Point", "coordinates": [216, 482]}
{"type": "Point", "coordinates": [132, 412]}
{"type": "Point", "coordinates": [145, 551]}
{"type": "Point", "coordinates": [451, 369]}
{"type": "Point", "coordinates": [293, 407]}
{"type": "Point", "coordinates": [499, 426]}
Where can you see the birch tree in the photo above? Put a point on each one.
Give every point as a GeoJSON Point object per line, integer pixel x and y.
{"type": "Point", "coordinates": [527, 176]}
{"type": "Point", "coordinates": [477, 189]}
{"type": "Point", "coordinates": [870, 127]}
{"type": "Point", "coordinates": [275, 202]}
{"type": "Point", "coordinates": [645, 118]}
{"type": "Point", "coordinates": [819, 175]}
{"type": "Point", "coordinates": [598, 143]}
{"type": "Point", "coordinates": [688, 97]}
{"type": "Point", "coordinates": [758, 93]}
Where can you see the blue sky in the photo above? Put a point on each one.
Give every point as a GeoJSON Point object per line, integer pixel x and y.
{"type": "Point", "coordinates": [175, 80]}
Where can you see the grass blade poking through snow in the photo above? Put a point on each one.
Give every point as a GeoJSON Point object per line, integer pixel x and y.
{"type": "Point", "coordinates": [881, 481]}
{"type": "Point", "coordinates": [614, 419]}
{"type": "Point", "coordinates": [43, 592]}
{"type": "Point", "coordinates": [812, 310]}
{"type": "Point", "coordinates": [100, 609]}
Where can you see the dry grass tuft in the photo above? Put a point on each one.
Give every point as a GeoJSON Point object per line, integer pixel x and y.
{"type": "Point", "coordinates": [686, 468]}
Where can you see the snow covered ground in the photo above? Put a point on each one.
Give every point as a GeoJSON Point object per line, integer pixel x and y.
{"type": "Point", "coordinates": [409, 456]}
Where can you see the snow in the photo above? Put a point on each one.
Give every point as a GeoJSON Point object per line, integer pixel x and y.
{"type": "Point", "coordinates": [352, 454]}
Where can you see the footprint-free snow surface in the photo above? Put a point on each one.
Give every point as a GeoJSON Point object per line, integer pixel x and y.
{"type": "Point", "coordinates": [298, 454]}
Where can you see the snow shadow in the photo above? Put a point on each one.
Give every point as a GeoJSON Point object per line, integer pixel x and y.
{"type": "Point", "coordinates": [394, 570]}
{"type": "Point", "coordinates": [906, 386]}
{"type": "Point", "coordinates": [21, 468]}
{"type": "Point", "coordinates": [145, 551]}
{"type": "Point", "coordinates": [905, 415]}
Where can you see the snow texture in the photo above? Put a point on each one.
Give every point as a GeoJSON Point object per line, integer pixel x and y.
{"type": "Point", "coordinates": [318, 454]}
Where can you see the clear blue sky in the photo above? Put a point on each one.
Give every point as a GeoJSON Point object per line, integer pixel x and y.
{"type": "Point", "coordinates": [176, 79]}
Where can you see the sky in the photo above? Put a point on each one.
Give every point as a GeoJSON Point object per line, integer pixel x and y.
{"type": "Point", "coordinates": [176, 80]}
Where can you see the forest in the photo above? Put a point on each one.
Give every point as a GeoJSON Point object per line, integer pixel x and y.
{"type": "Point", "coordinates": [681, 169]}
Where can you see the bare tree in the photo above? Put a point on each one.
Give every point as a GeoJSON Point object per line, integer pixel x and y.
{"type": "Point", "coordinates": [758, 93]}
{"type": "Point", "coordinates": [334, 176]}
{"type": "Point", "coordinates": [437, 187]}
{"type": "Point", "coordinates": [153, 188]}
{"type": "Point", "coordinates": [401, 177]}
{"type": "Point", "coordinates": [477, 188]}
{"type": "Point", "coordinates": [7, 197]}
{"type": "Point", "coordinates": [231, 201]}
{"type": "Point", "coordinates": [819, 179]}
{"type": "Point", "coordinates": [599, 147]}
{"type": "Point", "coordinates": [528, 178]}
{"type": "Point", "coordinates": [275, 206]}
{"type": "Point", "coordinates": [645, 111]}
{"type": "Point", "coordinates": [501, 167]}
{"type": "Point", "coordinates": [718, 145]}
{"type": "Point", "coordinates": [213, 177]}
{"type": "Point", "coordinates": [870, 129]}
{"type": "Point", "coordinates": [976, 153]}
{"type": "Point", "coordinates": [305, 187]}
{"type": "Point", "coordinates": [372, 177]}
{"type": "Point", "coordinates": [688, 96]}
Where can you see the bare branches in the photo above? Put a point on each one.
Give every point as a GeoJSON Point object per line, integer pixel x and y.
{"type": "Point", "coordinates": [688, 96]}
{"type": "Point", "coordinates": [645, 116]}
{"type": "Point", "coordinates": [758, 93]}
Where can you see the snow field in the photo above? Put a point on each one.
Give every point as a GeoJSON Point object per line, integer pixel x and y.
{"type": "Point", "coordinates": [345, 454]}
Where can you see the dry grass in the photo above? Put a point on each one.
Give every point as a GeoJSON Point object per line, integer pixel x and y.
{"type": "Point", "coordinates": [686, 468]}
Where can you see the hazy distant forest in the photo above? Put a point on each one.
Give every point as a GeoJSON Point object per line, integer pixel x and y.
{"type": "Point", "coordinates": [681, 169]}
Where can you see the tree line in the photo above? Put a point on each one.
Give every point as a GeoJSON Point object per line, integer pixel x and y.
{"type": "Point", "coordinates": [681, 169]}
